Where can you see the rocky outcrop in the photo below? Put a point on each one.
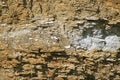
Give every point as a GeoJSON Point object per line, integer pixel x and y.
{"type": "Point", "coordinates": [59, 40]}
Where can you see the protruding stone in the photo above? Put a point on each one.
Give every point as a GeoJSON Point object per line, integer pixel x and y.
{"type": "Point", "coordinates": [28, 67]}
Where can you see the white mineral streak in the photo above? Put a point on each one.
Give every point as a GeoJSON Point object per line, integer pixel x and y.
{"type": "Point", "coordinates": [95, 38]}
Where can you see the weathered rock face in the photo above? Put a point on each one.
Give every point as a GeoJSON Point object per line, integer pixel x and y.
{"type": "Point", "coordinates": [96, 34]}
{"type": "Point", "coordinates": [60, 39]}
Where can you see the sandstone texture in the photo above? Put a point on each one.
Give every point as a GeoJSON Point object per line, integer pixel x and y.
{"type": "Point", "coordinates": [59, 39]}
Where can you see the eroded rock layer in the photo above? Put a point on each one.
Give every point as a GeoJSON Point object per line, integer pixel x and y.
{"type": "Point", "coordinates": [60, 39]}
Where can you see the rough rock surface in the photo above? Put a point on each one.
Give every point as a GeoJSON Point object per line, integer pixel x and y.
{"type": "Point", "coordinates": [97, 35]}
{"type": "Point", "coordinates": [59, 39]}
